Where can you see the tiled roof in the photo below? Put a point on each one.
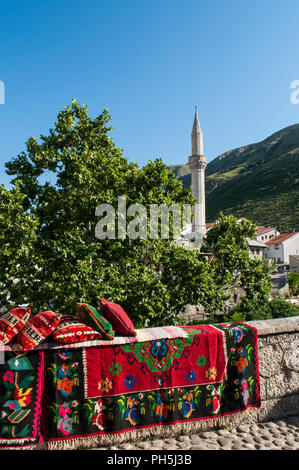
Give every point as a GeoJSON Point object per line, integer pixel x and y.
{"type": "Point", "coordinates": [280, 238]}
{"type": "Point", "coordinates": [261, 229]}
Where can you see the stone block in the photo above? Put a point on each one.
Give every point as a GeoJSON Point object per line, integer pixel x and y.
{"type": "Point", "coordinates": [279, 408]}
{"type": "Point", "coordinates": [270, 360]}
{"type": "Point", "coordinates": [282, 384]}
{"type": "Point", "coordinates": [291, 359]}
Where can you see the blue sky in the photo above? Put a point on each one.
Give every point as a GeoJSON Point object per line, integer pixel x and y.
{"type": "Point", "coordinates": [149, 62]}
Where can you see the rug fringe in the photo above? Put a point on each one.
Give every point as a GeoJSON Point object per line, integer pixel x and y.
{"type": "Point", "coordinates": [159, 431]}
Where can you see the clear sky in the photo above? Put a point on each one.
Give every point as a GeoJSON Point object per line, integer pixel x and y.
{"type": "Point", "coordinates": [149, 62]}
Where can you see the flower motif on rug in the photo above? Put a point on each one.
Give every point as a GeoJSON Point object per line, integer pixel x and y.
{"type": "Point", "coordinates": [201, 361]}
{"type": "Point", "coordinates": [189, 400]}
{"type": "Point", "coordinates": [211, 373]}
{"type": "Point", "coordinates": [244, 388]}
{"type": "Point", "coordinates": [65, 415]}
{"type": "Point", "coordinates": [161, 403]}
{"type": "Point", "coordinates": [115, 368]}
{"type": "Point", "coordinates": [105, 385]}
{"type": "Point", "coordinates": [131, 408]}
{"type": "Point", "coordinates": [238, 332]}
{"type": "Point", "coordinates": [129, 382]}
{"type": "Point", "coordinates": [214, 398]}
{"type": "Point", "coordinates": [241, 357]}
{"type": "Point", "coordinates": [191, 376]}
{"type": "Point", "coordinates": [65, 377]}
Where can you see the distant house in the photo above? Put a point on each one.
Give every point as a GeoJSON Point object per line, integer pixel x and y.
{"type": "Point", "coordinates": [256, 249]}
{"type": "Point", "coordinates": [281, 247]}
{"type": "Point", "coordinates": [265, 234]}
{"type": "Point", "coordinates": [294, 263]}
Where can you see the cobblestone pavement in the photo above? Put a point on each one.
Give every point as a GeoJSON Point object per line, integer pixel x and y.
{"type": "Point", "coordinates": [275, 435]}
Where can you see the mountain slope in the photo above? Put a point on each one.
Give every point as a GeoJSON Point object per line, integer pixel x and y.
{"type": "Point", "coordinates": [258, 181]}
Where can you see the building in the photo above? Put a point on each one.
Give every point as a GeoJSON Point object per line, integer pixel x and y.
{"type": "Point", "coordinates": [294, 263]}
{"type": "Point", "coordinates": [257, 249]}
{"type": "Point", "coordinates": [265, 234]}
{"type": "Point", "coordinates": [282, 246]}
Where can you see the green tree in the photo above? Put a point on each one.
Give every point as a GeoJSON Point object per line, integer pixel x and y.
{"type": "Point", "coordinates": [293, 281]}
{"type": "Point", "coordinates": [58, 182]}
{"type": "Point", "coordinates": [231, 263]}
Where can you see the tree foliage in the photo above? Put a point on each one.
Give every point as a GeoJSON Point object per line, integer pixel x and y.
{"type": "Point", "coordinates": [293, 281]}
{"type": "Point", "coordinates": [51, 257]}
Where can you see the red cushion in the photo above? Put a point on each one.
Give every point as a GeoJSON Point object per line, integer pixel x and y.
{"type": "Point", "coordinates": [117, 317]}
{"type": "Point", "coordinates": [37, 329]}
{"type": "Point", "coordinates": [12, 322]}
{"type": "Point", "coordinates": [71, 330]}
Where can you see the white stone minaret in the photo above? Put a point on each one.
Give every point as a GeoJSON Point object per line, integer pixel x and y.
{"type": "Point", "coordinates": [197, 164]}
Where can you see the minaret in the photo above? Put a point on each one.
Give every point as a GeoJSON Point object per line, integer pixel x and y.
{"type": "Point", "coordinates": [197, 164]}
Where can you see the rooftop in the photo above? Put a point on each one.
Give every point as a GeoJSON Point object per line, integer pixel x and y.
{"type": "Point", "coordinates": [280, 238]}
{"type": "Point", "coordinates": [261, 229]}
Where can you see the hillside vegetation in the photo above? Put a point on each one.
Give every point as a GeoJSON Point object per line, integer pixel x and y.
{"type": "Point", "coordinates": [258, 181]}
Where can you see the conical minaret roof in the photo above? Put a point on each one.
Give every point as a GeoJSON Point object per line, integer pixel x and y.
{"type": "Point", "coordinates": [196, 136]}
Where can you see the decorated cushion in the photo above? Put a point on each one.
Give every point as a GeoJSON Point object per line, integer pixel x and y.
{"type": "Point", "coordinates": [37, 329]}
{"type": "Point", "coordinates": [12, 322]}
{"type": "Point", "coordinates": [94, 319]}
{"type": "Point", "coordinates": [117, 317]}
{"type": "Point", "coordinates": [71, 330]}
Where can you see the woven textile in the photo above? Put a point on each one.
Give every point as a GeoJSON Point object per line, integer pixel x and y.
{"type": "Point", "coordinates": [12, 322]}
{"type": "Point", "coordinates": [21, 393]}
{"type": "Point", "coordinates": [91, 317]}
{"type": "Point", "coordinates": [184, 380]}
{"type": "Point", "coordinates": [194, 396]}
{"type": "Point", "coordinates": [117, 317]}
{"type": "Point", "coordinates": [156, 364]}
{"type": "Point", "coordinates": [37, 329]}
{"type": "Point", "coordinates": [142, 335]}
{"type": "Point", "coordinates": [71, 331]}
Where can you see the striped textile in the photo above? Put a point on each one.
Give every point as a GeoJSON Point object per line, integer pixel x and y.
{"type": "Point", "coordinates": [143, 334]}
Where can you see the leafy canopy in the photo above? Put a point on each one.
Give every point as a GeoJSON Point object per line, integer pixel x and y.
{"type": "Point", "coordinates": [51, 257]}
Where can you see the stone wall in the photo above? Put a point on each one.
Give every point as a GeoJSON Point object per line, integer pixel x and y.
{"type": "Point", "coordinates": [278, 345]}
{"type": "Point", "coordinates": [278, 348]}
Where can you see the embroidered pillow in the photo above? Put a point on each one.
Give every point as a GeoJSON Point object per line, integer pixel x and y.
{"type": "Point", "coordinates": [117, 317]}
{"type": "Point", "coordinates": [70, 330]}
{"type": "Point", "coordinates": [89, 315]}
{"type": "Point", "coordinates": [12, 322]}
{"type": "Point", "coordinates": [37, 329]}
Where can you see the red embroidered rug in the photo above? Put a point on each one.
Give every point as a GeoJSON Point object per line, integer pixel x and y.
{"type": "Point", "coordinates": [160, 364]}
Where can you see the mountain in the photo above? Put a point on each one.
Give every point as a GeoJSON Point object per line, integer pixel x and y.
{"type": "Point", "coordinates": [259, 181]}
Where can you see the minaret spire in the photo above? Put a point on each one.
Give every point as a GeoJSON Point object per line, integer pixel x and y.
{"type": "Point", "coordinates": [197, 163]}
{"type": "Point", "coordinates": [196, 136]}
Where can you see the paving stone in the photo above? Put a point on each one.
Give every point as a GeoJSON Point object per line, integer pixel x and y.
{"type": "Point", "coordinates": [290, 442]}
{"type": "Point", "coordinates": [248, 440]}
{"type": "Point", "coordinates": [158, 442]}
{"type": "Point", "coordinates": [168, 446]}
{"type": "Point", "coordinates": [184, 445]}
{"type": "Point", "coordinates": [171, 441]}
{"type": "Point", "coordinates": [237, 447]}
{"type": "Point", "coordinates": [183, 438]}
{"type": "Point", "coordinates": [211, 434]}
{"type": "Point", "coordinates": [196, 441]}
{"type": "Point", "coordinates": [224, 432]}
{"type": "Point", "coordinates": [244, 428]}
{"type": "Point", "coordinates": [249, 446]}
{"type": "Point", "coordinates": [212, 447]}
{"type": "Point", "coordinates": [125, 446]}
{"type": "Point", "coordinates": [224, 442]}
{"type": "Point", "coordinates": [279, 442]}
